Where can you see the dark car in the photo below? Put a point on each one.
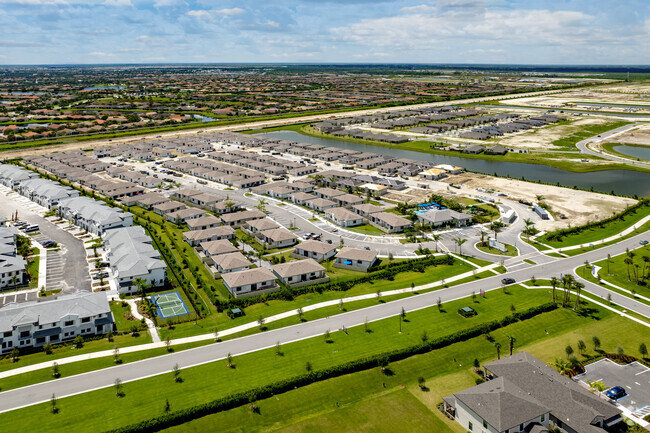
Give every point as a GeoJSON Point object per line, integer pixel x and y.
{"type": "Point", "coordinates": [643, 242]}
{"type": "Point", "coordinates": [616, 392]}
{"type": "Point", "coordinates": [508, 281]}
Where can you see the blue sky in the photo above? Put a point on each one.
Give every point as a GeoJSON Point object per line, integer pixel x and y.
{"type": "Point", "coordinates": [354, 31]}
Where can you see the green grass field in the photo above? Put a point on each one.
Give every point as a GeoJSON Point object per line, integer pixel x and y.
{"type": "Point", "coordinates": [146, 398]}
{"type": "Point", "coordinates": [510, 250]}
{"type": "Point", "coordinates": [585, 132]}
{"type": "Point", "coordinates": [262, 367]}
{"type": "Point", "coordinates": [619, 273]}
{"type": "Point", "coordinates": [598, 233]}
{"type": "Point", "coordinates": [367, 408]}
{"type": "Point", "coordinates": [367, 229]}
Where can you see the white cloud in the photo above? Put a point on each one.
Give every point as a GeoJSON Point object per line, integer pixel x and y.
{"type": "Point", "coordinates": [202, 15]}
{"type": "Point", "coordinates": [118, 3]}
{"type": "Point", "coordinates": [168, 3]}
{"type": "Point", "coordinates": [422, 30]}
{"type": "Point", "coordinates": [229, 12]}
{"type": "Point", "coordinates": [101, 54]}
{"type": "Point", "coordinates": [418, 8]}
{"type": "Point", "coordinates": [34, 2]}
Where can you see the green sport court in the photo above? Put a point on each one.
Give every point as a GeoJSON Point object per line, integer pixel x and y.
{"type": "Point", "coordinates": [170, 305]}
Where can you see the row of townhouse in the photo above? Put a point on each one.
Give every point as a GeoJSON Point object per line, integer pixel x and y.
{"type": "Point", "coordinates": [12, 265]}
{"type": "Point", "coordinates": [54, 319]}
{"type": "Point", "coordinates": [93, 216]}
{"type": "Point", "coordinates": [132, 257]}
{"type": "Point", "coordinates": [222, 173]}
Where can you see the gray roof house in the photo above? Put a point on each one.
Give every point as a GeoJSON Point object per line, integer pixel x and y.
{"type": "Point", "coordinates": [195, 237]}
{"type": "Point", "coordinates": [131, 255]}
{"type": "Point", "coordinates": [528, 395]}
{"type": "Point", "coordinates": [93, 216]}
{"type": "Point", "coordinates": [54, 319]}
{"type": "Point", "coordinates": [12, 175]}
{"type": "Point", "coordinates": [45, 192]}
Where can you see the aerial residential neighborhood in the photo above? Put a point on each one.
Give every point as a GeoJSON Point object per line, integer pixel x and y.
{"type": "Point", "coordinates": [324, 216]}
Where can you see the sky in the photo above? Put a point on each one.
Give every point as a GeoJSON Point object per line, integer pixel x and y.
{"type": "Point", "coordinates": [603, 32]}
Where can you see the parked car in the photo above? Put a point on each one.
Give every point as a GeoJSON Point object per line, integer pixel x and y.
{"type": "Point", "coordinates": [508, 281]}
{"type": "Point", "coordinates": [643, 242]}
{"type": "Point", "coordinates": [31, 229]}
{"type": "Point", "coordinates": [100, 275]}
{"type": "Point", "coordinates": [616, 392]}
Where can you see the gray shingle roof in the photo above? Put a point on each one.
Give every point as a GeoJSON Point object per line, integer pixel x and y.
{"type": "Point", "coordinates": [82, 304]}
{"type": "Point", "coordinates": [131, 253]}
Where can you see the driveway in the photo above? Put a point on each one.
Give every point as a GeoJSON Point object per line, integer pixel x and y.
{"type": "Point", "coordinates": [69, 265]}
{"type": "Point", "coordinates": [633, 377]}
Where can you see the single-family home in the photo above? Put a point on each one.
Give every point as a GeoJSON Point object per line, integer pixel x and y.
{"type": "Point", "coordinates": [278, 238]}
{"type": "Point", "coordinates": [313, 249]}
{"type": "Point", "coordinates": [250, 282]}
{"type": "Point", "coordinates": [355, 259]}
{"type": "Point", "coordinates": [195, 237]}
{"type": "Point", "coordinates": [231, 262]}
{"type": "Point", "coordinates": [236, 219]}
{"type": "Point", "coordinates": [343, 217]}
{"type": "Point", "coordinates": [389, 222]}
{"type": "Point", "coordinates": [300, 273]}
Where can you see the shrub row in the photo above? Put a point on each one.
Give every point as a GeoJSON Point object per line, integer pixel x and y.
{"type": "Point", "coordinates": [259, 393]}
{"type": "Point", "coordinates": [558, 235]}
{"type": "Point", "coordinates": [383, 272]}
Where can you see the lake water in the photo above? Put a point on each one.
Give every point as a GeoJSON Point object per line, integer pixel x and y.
{"type": "Point", "coordinates": [622, 182]}
{"type": "Point", "coordinates": [104, 88]}
{"type": "Point", "coordinates": [203, 118]}
{"type": "Point", "coordinates": [634, 151]}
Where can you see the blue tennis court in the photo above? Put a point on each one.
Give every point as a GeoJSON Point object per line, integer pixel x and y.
{"type": "Point", "coordinates": [170, 305]}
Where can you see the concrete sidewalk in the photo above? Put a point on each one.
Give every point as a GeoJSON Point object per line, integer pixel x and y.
{"type": "Point", "coordinates": [226, 332]}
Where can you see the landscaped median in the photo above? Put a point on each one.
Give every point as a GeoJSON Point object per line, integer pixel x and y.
{"type": "Point", "coordinates": [264, 368]}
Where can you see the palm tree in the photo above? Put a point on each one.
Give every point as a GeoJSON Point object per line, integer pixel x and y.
{"type": "Point", "coordinates": [435, 238]}
{"type": "Point", "coordinates": [578, 286]}
{"type": "Point", "coordinates": [497, 346]}
{"type": "Point", "coordinates": [512, 343]}
{"type": "Point", "coordinates": [563, 366]}
{"type": "Point", "coordinates": [142, 285]}
{"type": "Point", "coordinates": [554, 283]}
{"type": "Point", "coordinates": [261, 205]}
{"type": "Point", "coordinates": [628, 261]}
{"type": "Point", "coordinates": [540, 197]}
{"type": "Point", "coordinates": [483, 237]}
{"type": "Point", "coordinates": [496, 227]}
{"type": "Point", "coordinates": [460, 241]}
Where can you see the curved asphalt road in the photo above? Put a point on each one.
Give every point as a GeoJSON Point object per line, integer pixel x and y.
{"type": "Point", "coordinates": [21, 397]}
{"type": "Point", "coordinates": [583, 146]}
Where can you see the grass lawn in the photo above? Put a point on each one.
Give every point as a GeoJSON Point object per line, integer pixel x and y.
{"type": "Point", "coordinates": [510, 250]}
{"type": "Point", "coordinates": [32, 270]}
{"type": "Point", "coordinates": [62, 351]}
{"type": "Point", "coordinates": [270, 308]}
{"type": "Point", "coordinates": [644, 228]}
{"type": "Point", "coordinates": [585, 132]}
{"type": "Point", "coordinates": [367, 229]}
{"type": "Point", "coordinates": [145, 398]}
{"type": "Point", "coordinates": [597, 233]}
{"type": "Point", "coordinates": [446, 371]}
{"type": "Point", "coordinates": [616, 272]}
{"type": "Point", "coordinates": [122, 324]}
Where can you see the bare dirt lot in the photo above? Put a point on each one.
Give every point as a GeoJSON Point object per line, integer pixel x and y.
{"type": "Point", "coordinates": [640, 135]}
{"type": "Point", "coordinates": [579, 206]}
{"type": "Point", "coordinates": [542, 138]}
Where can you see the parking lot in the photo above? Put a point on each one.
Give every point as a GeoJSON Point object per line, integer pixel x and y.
{"type": "Point", "coordinates": [634, 378]}
{"type": "Point", "coordinates": [17, 297]}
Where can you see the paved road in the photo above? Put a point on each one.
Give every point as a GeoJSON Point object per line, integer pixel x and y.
{"type": "Point", "coordinates": [583, 146]}
{"type": "Point", "coordinates": [259, 124]}
{"type": "Point", "coordinates": [69, 266]}
{"type": "Point", "coordinates": [13, 399]}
